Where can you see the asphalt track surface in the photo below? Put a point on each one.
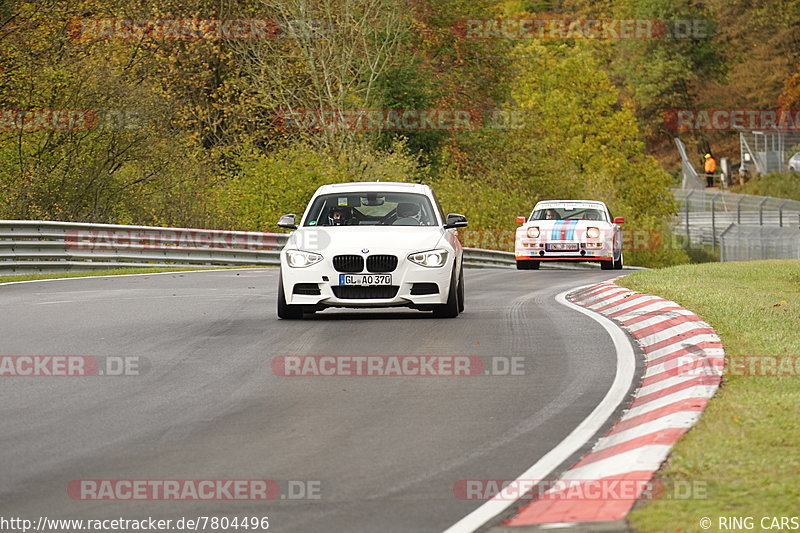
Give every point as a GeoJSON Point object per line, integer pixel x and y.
{"type": "Point", "coordinates": [386, 452]}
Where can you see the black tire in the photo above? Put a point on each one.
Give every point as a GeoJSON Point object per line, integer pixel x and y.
{"type": "Point", "coordinates": [450, 309]}
{"type": "Point", "coordinates": [607, 265]}
{"type": "Point", "coordinates": [461, 290]}
{"type": "Point", "coordinates": [527, 265]}
{"type": "Point", "coordinates": [619, 264]}
{"type": "Point", "coordinates": [285, 311]}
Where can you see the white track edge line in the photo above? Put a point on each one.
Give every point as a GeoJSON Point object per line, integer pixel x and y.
{"type": "Point", "coordinates": [626, 365]}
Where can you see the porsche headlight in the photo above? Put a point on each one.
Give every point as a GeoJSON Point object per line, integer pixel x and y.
{"type": "Point", "coordinates": [593, 233]}
{"type": "Point", "coordinates": [430, 259]}
{"type": "Point", "coordinates": [301, 259]}
{"type": "Point", "coordinates": [533, 232]}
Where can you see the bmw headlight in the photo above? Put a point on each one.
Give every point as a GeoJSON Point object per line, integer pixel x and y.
{"type": "Point", "coordinates": [301, 259]}
{"type": "Point", "coordinates": [533, 232]}
{"type": "Point", "coordinates": [430, 259]}
{"type": "Point", "coordinates": [593, 233]}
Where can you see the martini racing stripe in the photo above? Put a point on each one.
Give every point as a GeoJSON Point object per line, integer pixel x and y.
{"type": "Point", "coordinates": [571, 230]}
{"type": "Point", "coordinates": [564, 230]}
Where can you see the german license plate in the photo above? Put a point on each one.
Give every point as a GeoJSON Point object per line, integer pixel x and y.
{"type": "Point", "coordinates": [563, 247]}
{"type": "Point", "coordinates": [365, 279]}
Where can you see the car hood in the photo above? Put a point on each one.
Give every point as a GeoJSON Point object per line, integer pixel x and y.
{"type": "Point", "coordinates": [395, 240]}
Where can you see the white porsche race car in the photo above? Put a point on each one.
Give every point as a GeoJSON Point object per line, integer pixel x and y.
{"type": "Point", "coordinates": [569, 230]}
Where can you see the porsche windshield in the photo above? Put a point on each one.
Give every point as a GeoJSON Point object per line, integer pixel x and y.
{"type": "Point", "coordinates": [567, 212]}
{"type": "Point", "coordinates": [371, 209]}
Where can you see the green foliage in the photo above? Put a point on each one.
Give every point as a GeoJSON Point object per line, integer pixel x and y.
{"type": "Point", "coordinates": [777, 184]}
{"type": "Point", "coordinates": [282, 182]}
{"type": "Point", "coordinates": [661, 73]}
{"type": "Point", "coordinates": [576, 143]}
{"type": "Point", "coordinates": [411, 86]}
{"type": "Point", "coordinates": [199, 144]}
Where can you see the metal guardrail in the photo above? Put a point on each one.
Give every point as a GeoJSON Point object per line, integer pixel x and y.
{"type": "Point", "coordinates": [480, 258]}
{"type": "Point", "coordinates": [31, 246]}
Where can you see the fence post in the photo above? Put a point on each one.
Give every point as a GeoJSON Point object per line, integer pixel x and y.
{"type": "Point", "coordinates": [714, 222]}
{"type": "Point", "coordinates": [739, 210]}
{"type": "Point", "coordinates": [761, 211]}
{"type": "Point", "coordinates": [688, 233]}
{"type": "Point", "coordinates": [722, 243]}
{"type": "Point", "coordinates": [780, 213]}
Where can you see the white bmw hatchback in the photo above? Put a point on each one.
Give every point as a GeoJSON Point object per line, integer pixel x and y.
{"type": "Point", "coordinates": [372, 244]}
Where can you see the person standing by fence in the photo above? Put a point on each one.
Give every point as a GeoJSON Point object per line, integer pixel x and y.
{"type": "Point", "coordinates": [710, 167]}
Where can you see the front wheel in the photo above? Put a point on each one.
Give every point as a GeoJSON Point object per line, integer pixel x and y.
{"type": "Point", "coordinates": [618, 264]}
{"type": "Point", "coordinates": [451, 308]}
{"type": "Point", "coordinates": [285, 311]}
{"type": "Point", "coordinates": [461, 290]}
{"type": "Point", "coordinates": [607, 265]}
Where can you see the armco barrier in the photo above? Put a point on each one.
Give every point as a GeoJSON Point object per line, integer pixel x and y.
{"type": "Point", "coordinates": [28, 246]}
{"type": "Point", "coordinates": [32, 246]}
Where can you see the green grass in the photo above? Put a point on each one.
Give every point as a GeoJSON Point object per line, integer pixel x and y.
{"type": "Point", "coordinates": [746, 446]}
{"type": "Point", "coordinates": [111, 272]}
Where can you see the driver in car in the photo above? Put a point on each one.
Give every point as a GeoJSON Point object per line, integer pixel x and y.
{"type": "Point", "coordinates": [591, 214]}
{"type": "Point", "coordinates": [339, 216]}
{"type": "Point", "coordinates": [551, 214]}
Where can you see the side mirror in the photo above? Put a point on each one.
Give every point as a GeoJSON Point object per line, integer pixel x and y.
{"type": "Point", "coordinates": [454, 220]}
{"type": "Point", "coordinates": [521, 220]}
{"type": "Point", "coordinates": [288, 221]}
{"type": "Point", "coordinates": [619, 220]}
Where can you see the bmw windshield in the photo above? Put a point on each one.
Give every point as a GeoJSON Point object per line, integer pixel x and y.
{"type": "Point", "coordinates": [371, 209]}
